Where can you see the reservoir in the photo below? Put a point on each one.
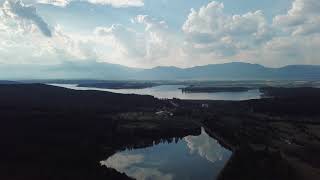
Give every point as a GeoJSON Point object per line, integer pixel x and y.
{"type": "Point", "coordinates": [173, 91]}
{"type": "Point", "coordinates": [190, 158]}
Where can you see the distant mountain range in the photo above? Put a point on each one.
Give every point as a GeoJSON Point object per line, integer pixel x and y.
{"type": "Point", "coordinates": [236, 71]}
{"type": "Point", "coordinates": [105, 71]}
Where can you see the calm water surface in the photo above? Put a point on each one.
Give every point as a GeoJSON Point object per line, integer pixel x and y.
{"type": "Point", "coordinates": [192, 158]}
{"type": "Point", "coordinates": [173, 91]}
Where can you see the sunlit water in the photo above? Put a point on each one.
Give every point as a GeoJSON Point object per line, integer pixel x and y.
{"type": "Point", "coordinates": [192, 158]}
{"type": "Point", "coordinates": [173, 91]}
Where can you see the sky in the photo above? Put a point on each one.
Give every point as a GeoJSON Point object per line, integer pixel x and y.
{"type": "Point", "coordinates": [149, 33]}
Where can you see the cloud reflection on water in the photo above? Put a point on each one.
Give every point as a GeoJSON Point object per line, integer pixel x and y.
{"type": "Point", "coordinates": [131, 165]}
{"type": "Point", "coordinates": [194, 157]}
{"type": "Point", "coordinates": [205, 146]}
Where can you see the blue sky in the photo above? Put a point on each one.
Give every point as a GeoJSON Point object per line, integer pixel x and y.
{"type": "Point", "coordinates": [148, 33]}
{"type": "Point", "coordinates": [85, 15]}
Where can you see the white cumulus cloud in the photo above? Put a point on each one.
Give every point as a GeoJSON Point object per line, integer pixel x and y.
{"type": "Point", "coordinates": [302, 19]}
{"type": "Point", "coordinates": [208, 35]}
{"type": "Point", "coordinates": [210, 30]}
{"type": "Point", "coordinates": [61, 3]}
{"type": "Point", "coordinates": [114, 3]}
{"type": "Point", "coordinates": [119, 3]}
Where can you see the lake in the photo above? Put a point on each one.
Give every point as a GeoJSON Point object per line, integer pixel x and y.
{"type": "Point", "coordinates": [173, 91]}
{"type": "Point", "coordinates": [192, 158]}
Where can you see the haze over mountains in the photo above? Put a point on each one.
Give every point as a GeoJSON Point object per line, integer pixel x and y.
{"type": "Point", "coordinates": [106, 71]}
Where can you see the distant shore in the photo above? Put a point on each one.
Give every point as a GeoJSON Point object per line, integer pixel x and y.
{"type": "Point", "coordinates": [197, 89]}
{"type": "Point", "coordinates": [118, 85]}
